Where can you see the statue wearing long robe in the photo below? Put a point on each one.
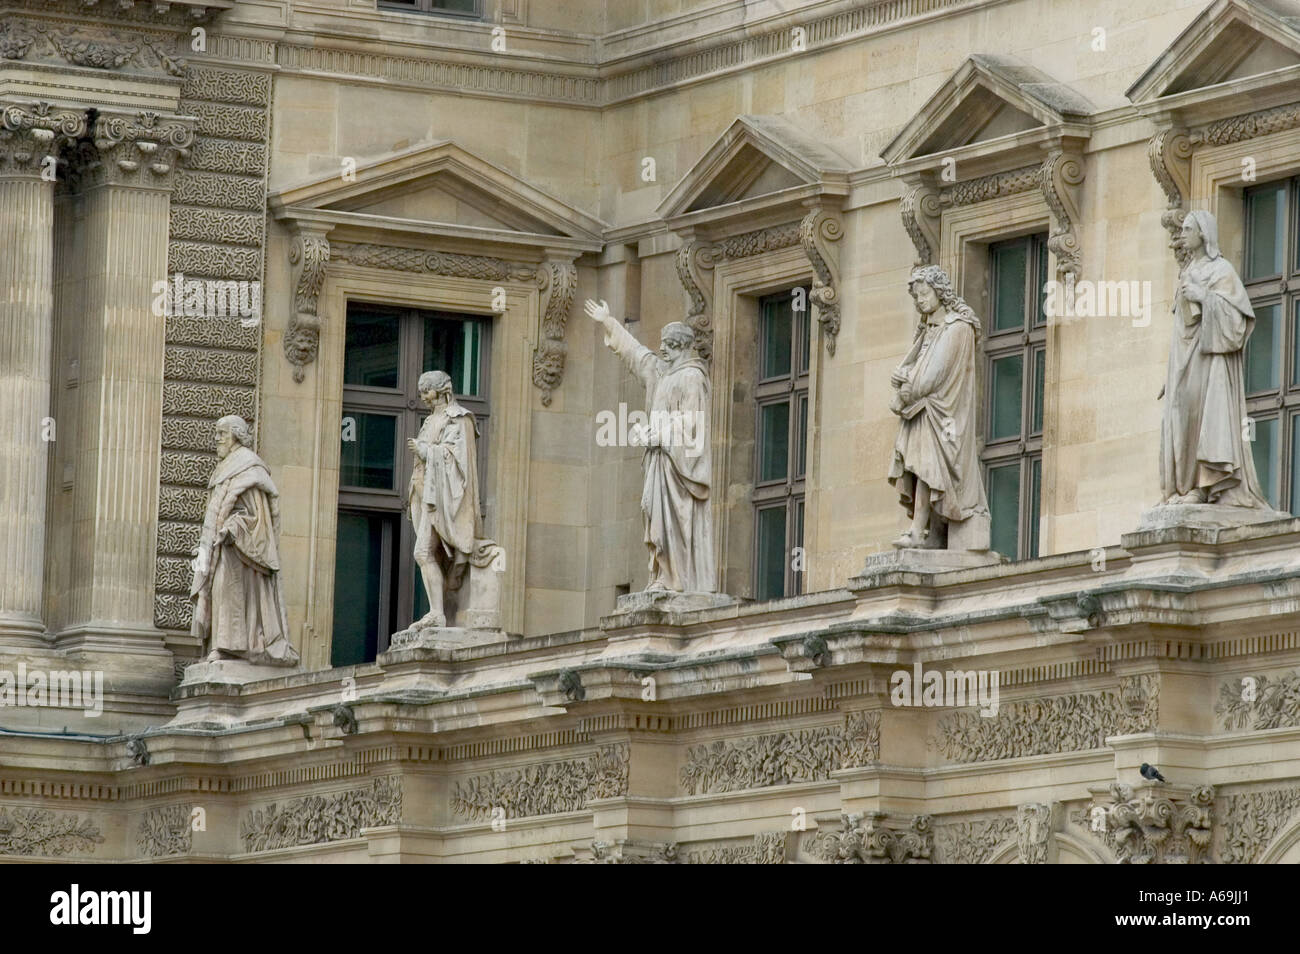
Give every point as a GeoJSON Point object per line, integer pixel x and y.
{"type": "Point", "coordinates": [443, 494]}
{"type": "Point", "coordinates": [937, 434]}
{"type": "Point", "coordinates": [678, 469]}
{"type": "Point", "coordinates": [1202, 445]}
{"type": "Point", "coordinates": [238, 601]}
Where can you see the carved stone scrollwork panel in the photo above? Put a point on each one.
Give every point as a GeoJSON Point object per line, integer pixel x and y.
{"type": "Point", "coordinates": [309, 254]}
{"type": "Point", "coordinates": [558, 280]}
{"type": "Point", "coordinates": [819, 233]}
{"type": "Point", "coordinates": [1060, 177]}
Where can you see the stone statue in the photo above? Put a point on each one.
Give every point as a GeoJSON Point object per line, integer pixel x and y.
{"type": "Point", "coordinates": [936, 465]}
{"type": "Point", "coordinates": [678, 455]}
{"type": "Point", "coordinates": [443, 498]}
{"type": "Point", "coordinates": [238, 601]}
{"type": "Point", "coordinates": [1204, 455]}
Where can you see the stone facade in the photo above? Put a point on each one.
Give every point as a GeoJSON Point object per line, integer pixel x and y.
{"type": "Point", "coordinates": [678, 161]}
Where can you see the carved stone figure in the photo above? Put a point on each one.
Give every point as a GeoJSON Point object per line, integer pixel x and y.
{"type": "Point", "coordinates": [1204, 456]}
{"type": "Point", "coordinates": [443, 498]}
{"type": "Point", "coordinates": [238, 601]}
{"type": "Point", "coordinates": [936, 457]}
{"type": "Point", "coordinates": [678, 466]}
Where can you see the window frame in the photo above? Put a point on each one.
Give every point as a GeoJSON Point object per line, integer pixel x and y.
{"type": "Point", "coordinates": [427, 8]}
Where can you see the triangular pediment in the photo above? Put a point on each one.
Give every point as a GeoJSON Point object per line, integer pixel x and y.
{"type": "Point", "coordinates": [439, 184]}
{"type": "Point", "coordinates": [987, 98]}
{"type": "Point", "coordinates": [757, 158]}
{"type": "Point", "coordinates": [1230, 41]}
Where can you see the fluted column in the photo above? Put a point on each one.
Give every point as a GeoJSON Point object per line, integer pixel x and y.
{"type": "Point", "coordinates": [126, 183]}
{"type": "Point", "coordinates": [30, 137]}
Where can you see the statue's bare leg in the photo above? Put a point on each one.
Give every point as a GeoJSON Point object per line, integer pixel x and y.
{"type": "Point", "coordinates": [431, 574]}
{"type": "Point", "coordinates": [917, 534]}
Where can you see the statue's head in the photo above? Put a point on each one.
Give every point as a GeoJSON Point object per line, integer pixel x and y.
{"type": "Point", "coordinates": [931, 287]}
{"type": "Point", "coordinates": [232, 429]}
{"type": "Point", "coordinates": [436, 388]}
{"type": "Point", "coordinates": [676, 341]}
{"type": "Point", "coordinates": [1200, 232]}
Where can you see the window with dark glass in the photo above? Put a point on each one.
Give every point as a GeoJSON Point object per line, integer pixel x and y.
{"type": "Point", "coordinates": [377, 590]}
{"type": "Point", "coordinates": [1015, 357]}
{"type": "Point", "coordinates": [1271, 273]}
{"type": "Point", "coordinates": [451, 8]}
{"type": "Point", "coordinates": [781, 396]}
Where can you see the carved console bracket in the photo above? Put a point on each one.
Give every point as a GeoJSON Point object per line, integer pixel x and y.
{"type": "Point", "coordinates": [819, 233]}
{"type": "Point", "coordinates": [309, 254]}
{"type": "Point", "coordinates": [1170, 154]}
{"type": "Point", "coordinates": [695, 261]}
{"type": "Point", "coordinates": [557, 278]}
{"type": "Point", "coordinates": [920, 209]}
{"type": "Point", "coordinates": [1060, 179]}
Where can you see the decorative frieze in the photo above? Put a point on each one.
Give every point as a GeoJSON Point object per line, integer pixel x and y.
{"type": "Point", "coordinates": [876, 838]}
{"type": "Point", "coordinates": [782, 758]}
{"type": "Point", "coordinates": [545, 788]}
{"type": "Point", "coordinates": [40, 832]}
{"type": "Point", "coordinates": [1261, 122]}
{"type": "Point", "coordinates": [758, 241]}
{"type": "Point", "coordinates": [557, 280]}
{"type": "Point", "coordinates": [1074, 723]}
{"type": "Point", "coordinates": [166, 830]}
{"type": "Point", "coordinates": [974, 842]}
{"type": "Point", "coordinates": [1011, 182]}
{"type": "Point", "coordinates": [1258, 702]}
{"type": "Point", "coordinates": [92, 46]}
{"type": "Point", "coordinates": [319, 819]}
{"type": "Point", "coordinates": [482, 267]}
{"type": "Point", "coordinates": [627, 851]}
{"type": "Point", "coordinates": [766, 848]}
{"type": "Point", "coordinates": [1251, 820]}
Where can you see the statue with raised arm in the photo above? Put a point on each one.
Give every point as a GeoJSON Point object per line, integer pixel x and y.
{"type": "Point", "coordinates": [675, 502]}
{"type": "Point", "coordinates": [936, 465]}
{"type": "Point", "coordinates": [1204, 452]}
{"type": "Point", "coordinates": [238, 601]}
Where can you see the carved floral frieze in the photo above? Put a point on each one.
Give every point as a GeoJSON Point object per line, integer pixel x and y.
{"type": "Point", "coordinates": [316, 819]}
{"type": "Point", "coordinates": [38, 831]}
{"type": "Point", "coordinates": [545, 788]}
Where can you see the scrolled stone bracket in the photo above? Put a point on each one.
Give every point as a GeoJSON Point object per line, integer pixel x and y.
{"type": "Point", "coordinates": [1060, 179]}
{"type": "Point", "coordinates": [819, 233]}
{"type": "Point", "coordinates": [309, 255]}
{"type": "Point", "coordinates": [557, 278]}
{"type": "Point", "coordinates": [920, 209]}
{"type": "Point", "coordinates": [695, 261]}
{"type": "Point", "coordinates": [1169, 152]}
{"type": "Point", "coordinates": [31, 133]}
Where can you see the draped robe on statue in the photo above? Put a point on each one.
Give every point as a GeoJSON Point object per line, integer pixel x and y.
{"type": "Point", "coordinates": [239, 603]}
{"type": "Point", "coordinates": [679, 472]}
{"type": "Point", "coordinates": [1201, 439]}
{"type": "Point", "coordinates": [936, 437]}
{"type": "Point", "coordinates": [443, 493]}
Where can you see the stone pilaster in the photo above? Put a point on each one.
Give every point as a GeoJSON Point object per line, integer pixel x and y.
{"type": "Point", "coordinates": [125, 182]}
{"type": "Point", "coordinates": [30, 137]}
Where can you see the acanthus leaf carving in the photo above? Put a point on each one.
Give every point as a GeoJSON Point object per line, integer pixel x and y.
{"type": "Point", "coordinates": [309, 254]}
{"type": "Point", "coordinates": [1060, 178]}
{"type": "Point", "coordinates": [820, 232]}
{"type": "Point", "coordinates": [545, 788]}
{"type": "Point", "coordinates": [166, 830]}
{"type": "Point", "coordinates": [1252, 819]}
{"type": "Point", "coordinates": [28, 134]}
{"type": "Point", "coordinates": [558, 280]}
{"type": "Point", "coordinates": [695, 262]}
{"type": "Point", "coordinates": [1262, 704]}
{"type": "Point", "coordinates": [974, 842]}
{"type": "Point", "coordinates": [920, 209]}
{"type": "Point", "coordinates": [876, 838]}
{"type": "Point", "coordinates": [38, 831]}
{"type": "Point", "coordinates": [1152, 826]}
{"type": "Point", "coordinates": [1169, 152]}
{"type": "Point", "coordinates": [315, 819]}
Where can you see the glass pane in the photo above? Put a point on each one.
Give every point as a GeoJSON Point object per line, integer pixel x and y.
{"type": "Point", "coordinates": [778, 329]}
{"type": "Point", "coordinates": [1264, 350]}
{"type": "Point", "coordinates": [368, 460]}
{"type": "Point", "coordinates": [1040, 244]}
{"type": "Point", "coordinates": [454, 343]}
{"type": "Point", "coordinates": [798, 541]}
{"type": "Point", "coordinates": [1035, 503]}
{"type": "Point", "coordinates": [770, 584]}
{"type": "Point", "coordinates": [1266, 230]}
{"type": "Point", "coordinates": [1040, 372]}
{"type": "Point", "coordinates": [1295, 463]}
{"type": "Point", "coordinates": [773, 441]}
{"type": "Point", "coordinates": [454, 6]}
{"type": "Point", "coordinates": [1295, 342]}
{"type": "Point", "coordinates": [1006, 384]}
{"type": "Point", "coordinates": [358, 569]}
{"type": "Point", "coordinates": [373, 355]}
{"type": "Point", "coordinates": [805, 335]}
{"type": "Point", "coordinates": [803, 436]}
{"type": "Point", "coordinates": [1268, 457]}
{"type": "Point", "coordinates": [1004, 508]}
{"type": "Point", "coordinates": [1010, 262]}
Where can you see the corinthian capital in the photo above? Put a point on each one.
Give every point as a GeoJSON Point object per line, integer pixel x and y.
{"type": "Point", "coordinates": [31, 134]}
{"type": "Point", "coordinates": [141, 149]}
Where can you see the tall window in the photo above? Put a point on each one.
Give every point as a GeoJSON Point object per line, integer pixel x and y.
{"type": "Point", "coordinates": [1015, 352]}
{"type": "Point", "coordinates": [781, 395]}
{"type": "Point", "coordinates": [377, 589]}
{"type": "Point", "coordinates": [451, 8]}
{"type": "Point", "coordinates": [1272, 278]}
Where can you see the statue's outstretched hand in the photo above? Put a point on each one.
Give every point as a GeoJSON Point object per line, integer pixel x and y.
{"type": "Point", "coordinates": [598, 311]}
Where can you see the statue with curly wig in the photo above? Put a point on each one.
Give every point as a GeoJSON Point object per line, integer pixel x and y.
{"type": "Point", "coordinates": [936, 465]}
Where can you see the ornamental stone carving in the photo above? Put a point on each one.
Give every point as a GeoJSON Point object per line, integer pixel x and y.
{"type": "Point", "coordinates": [137, 150]}
{"type": "Point", "coordinates": [782, 758]}
{"type": "Point", "coordinates": [1035, 823]}
{"type": "Point", "coordinates": [820, 232]}
{"type": "Point", "coordinates": [876, 838]}
{"type": "Point", "coordinates": [921, 209]}
{"type": "Point", "coordinates": [1011, 182]}
{"type": "Point", "coordinates": [758, 241]}
{"type": "Point", "coordinates": [1261, 122]}
{"type": "Point", "coordinates": [695, 261]}
{"type": "Point", "coordinates": [482, 267]}
{"type": "Point", "coordinates": [974, 842]}
{"type": "Point", "coordinates": [1251, 820]}
{"type": "Point", "coordinates": [1060, 178]}
{"type": "Point", "coordinates": [1260, 702]}
{"type": "Point", "coordinates": [1169, 153]}
{"type": "Point", "coordinates": [316, 819]}
{"type": "Point", "coordinates": [628, 851]}
{"type": "Point", "coordinates": [558, 281]}
{"type": "Point", "coordinates": [308, 254]}
{"type": "Point", "coordinates": [32, 133]}
{"type": "Point", "coordinates": [38, 831]}
{"type": "Point", "coordinates": [166, 830]}
{"type": "Point", "coordinates": [1160, 826]}
{"type": "Point", "coordinates": [766, 848]}
{"type": "Point", "coordinates": [545, 788]}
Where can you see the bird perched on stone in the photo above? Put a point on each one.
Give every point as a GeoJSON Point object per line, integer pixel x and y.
{"type": "Point", "coordinates": [1151, 772]}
